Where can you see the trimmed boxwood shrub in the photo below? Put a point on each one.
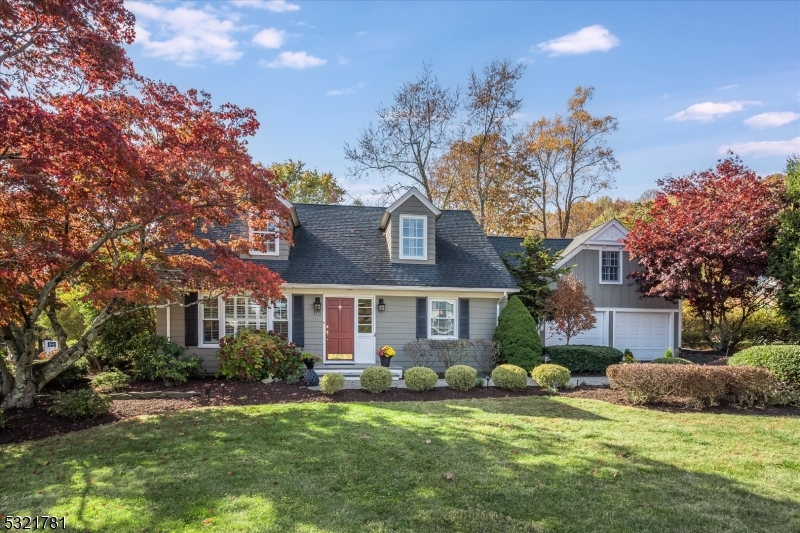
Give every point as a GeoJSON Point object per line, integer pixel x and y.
{"type": "Point", "coordinates": [376, 379]}
{"type": "Point", "coordinates": [420, 379]}
{"type": "Point", "coordinates": [461, 377]}
{"type": "Point", "coordinates": [517, 339]}
{"type": "Point", "coordinates": [510, 377]}
{"type": "Point", "coordinates": [331, 383]}
{"type": "Point", "coordinates": [783, 360]}
{"type": "Point", "coordinates": [549, 376]}
{"type": "Point", "coordinates": [110, 381]}
{"type": "Point", "coordinates": [82, 403]}
{"type": "Point", "coordinates": [671, 361]}
{"type": "Point", "coordinates": [583, 358]}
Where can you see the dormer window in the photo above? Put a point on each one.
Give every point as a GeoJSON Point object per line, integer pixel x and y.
{"type": "Point", "coordinates": [610, 266]}
{"type": "Point", "coordinates": [270, 238]}
{"type": "Point", "coordinates": [413, 237]}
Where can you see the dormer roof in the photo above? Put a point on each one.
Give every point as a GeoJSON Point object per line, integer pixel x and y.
{"type": "Point", "coordinates": [610, 234]}
{"type": "Point", "coordinates": [413, 191]}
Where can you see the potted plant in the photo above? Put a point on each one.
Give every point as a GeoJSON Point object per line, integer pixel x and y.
{"type": "Point", "coordinates": [310, 359]}
{"type": "Point", "coordinates": [386, 353]}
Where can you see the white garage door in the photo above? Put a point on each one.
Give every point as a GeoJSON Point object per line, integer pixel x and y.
{"type": "Point", "coordinates": [593, 336]}
{"type": "Point", "coordinates": [646, 334]}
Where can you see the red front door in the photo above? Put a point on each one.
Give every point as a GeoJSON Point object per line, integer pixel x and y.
{"type": "Point", "coordinates": [339, 331]}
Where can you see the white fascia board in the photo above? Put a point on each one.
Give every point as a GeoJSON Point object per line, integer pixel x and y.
{"type": "Point", "coordinates": [594, 244]}
{"type": "Point", "coordinates": [390, 288]}
{"type": "Point", "coordinates": [421, 197]}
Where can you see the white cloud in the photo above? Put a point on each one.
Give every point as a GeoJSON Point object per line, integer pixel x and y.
{"type": "Point", "coordinates": [773, 119]}
{"type": "Point", "coordinates": [269, 38]}
{"type": "Point", "coordinates": [708, 111]}
{"type": "Point", "coordinates": [342, 92]}
{"type": "Point", "coordinates": [361, 33]}
{"type": "Point", "coordinates": [343, 60]}
{"type": "Point", "coordinates": [185, 35]}
{"type": "Point", "coordinates": [764, 148]}
{"type": "Point", "coordinates": [727, 87]}
{"type": "Point", "coordinates": [296, 60]}
{"type": "Point", "coordinates": [276, 6]}
{"type": "Point", "coordinates": [589, 39]}
{"type": "Point", "coordinates": [525, 60]}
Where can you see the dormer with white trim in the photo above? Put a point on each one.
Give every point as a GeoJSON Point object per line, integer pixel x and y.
{"type": "Point", "coordinates": [409, 225]}
{"type": "Point", "coordinates": [277, 248]}
{"type": "Point", "coordinates": [607, 240]}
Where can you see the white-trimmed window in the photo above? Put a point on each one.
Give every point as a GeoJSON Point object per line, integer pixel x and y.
{"type": "Point", "coordinates": [442, 319]}
{"type": "Point", "coordinates": [413, 237]}
{"type": "Point", "coordinates": [610, 266]}
{"type": "Point", "coordinates": [240, 312]}
{"type": "Point", "coordinates": [270, 238]}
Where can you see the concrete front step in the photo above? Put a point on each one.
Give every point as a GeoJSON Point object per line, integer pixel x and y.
{"type": "Point", "coordinates": [353, 372]}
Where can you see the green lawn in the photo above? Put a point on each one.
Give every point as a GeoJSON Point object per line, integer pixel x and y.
{"type": "Point", "coordinates": [524, 464]}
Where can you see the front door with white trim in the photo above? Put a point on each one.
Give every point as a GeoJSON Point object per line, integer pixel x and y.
{"type": "Point", "coordinates": [339, 331]}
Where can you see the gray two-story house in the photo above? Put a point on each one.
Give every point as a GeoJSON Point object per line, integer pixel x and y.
{"type": "Point", "coordinates": [647, 326]}
{"type": "Point", "coordinates": [357, 278]}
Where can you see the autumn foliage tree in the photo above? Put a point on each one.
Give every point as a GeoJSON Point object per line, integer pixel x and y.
{"type": "Point", "coordinates": [707, 240]}
{"type": "Point", "coordinates": [101, 184]}
{"type": "Point", "coordinates": [569, 308]}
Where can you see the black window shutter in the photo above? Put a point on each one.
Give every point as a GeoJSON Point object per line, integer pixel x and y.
{"type": "Point", "coordinates": [190, 318]}
{"type": "Point", "coordinates": [298, 324]}
{"type": "Point", "coordinates": [422, 318]}
{"type": "Point", "coordinates": [463, 318]}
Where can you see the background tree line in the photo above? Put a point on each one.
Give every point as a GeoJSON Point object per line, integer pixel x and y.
{"type": "Point", "coordinates": [467, 152]}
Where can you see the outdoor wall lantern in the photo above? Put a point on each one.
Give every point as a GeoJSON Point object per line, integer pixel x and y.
{"type": "Point", "coordinates": [381, 305]}
{"type": "Point", "coordinates": [317, 306]}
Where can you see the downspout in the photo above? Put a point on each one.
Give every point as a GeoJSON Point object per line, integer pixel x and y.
{"type": "Point", "coordinates": [497, 318]}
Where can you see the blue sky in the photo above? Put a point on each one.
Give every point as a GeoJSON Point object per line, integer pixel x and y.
{"type": "Point", "coordinates": [685, 79]}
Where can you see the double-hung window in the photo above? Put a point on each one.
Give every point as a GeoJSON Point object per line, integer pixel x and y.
{"type": "Point", "coordinates": [270, 238]}
{"type": "Point", "coordinates": [442, 319]}
{"type": "Point", "coordinates": [610, 267]}
{"type": "Point", "coordinates": [413, 237]}
{"type": "Point", "coordinates": [228, 316]}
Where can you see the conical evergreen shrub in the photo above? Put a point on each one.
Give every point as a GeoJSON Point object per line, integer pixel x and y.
{"type": "Point", "coordinates": [516, 336]}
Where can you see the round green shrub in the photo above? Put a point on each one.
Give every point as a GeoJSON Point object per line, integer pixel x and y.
{"type": "Point", "coordinates": [376, 379]}
{"type": "Point", "coordinates": [517, 339]}
{"type": "Point", "coordinates": [550, 376]}
{"type": "Point", "coordinates": [671, 361]}
{"type": "Point", "coordinates": [82, 403]}
{"type": "Point", "coordinates": [331, 383]}
{"type": "Point", "coordinates": [584, 358]}
{"type": "Point", "coordinates": [254, 354]}
{"type": "Point", "coordinates": [783, 360]}
{"type": "Point", "coordinates": [510, 377]}
{"type": "Point", "coordinates": [110, 381]}
{"type": "Point", "coordinates": [461, 377]}
{"type": "Point", "coordinates": [420, 379]}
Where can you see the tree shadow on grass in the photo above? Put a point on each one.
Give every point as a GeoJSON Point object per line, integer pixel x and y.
{"type": "Point", "coordinates": [375, 467]}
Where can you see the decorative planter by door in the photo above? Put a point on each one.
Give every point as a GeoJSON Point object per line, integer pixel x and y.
{"type": "Point", "coordinates": [309, 364]}
{"type": "Point", "coordinates": [385, 360]}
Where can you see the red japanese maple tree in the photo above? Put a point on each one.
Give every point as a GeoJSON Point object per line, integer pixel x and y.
{"type": "Point", "coordinates": [104, 184]}
{"type": "Point", "coordinates": [706, 241]}
{"type": "Point", "coordinates": [569, 308]}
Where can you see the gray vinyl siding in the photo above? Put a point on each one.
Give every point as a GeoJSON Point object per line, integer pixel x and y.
{"type": "Point", "coordinates": [677, 340]}
{"type": "Point", "coordinates": [610, 318]}
{"type": "Point", "coordinates": [313, 324]}
{"type": "Point", "coordinates": [412, 206]}
{"type": "Point", "coordinates": [397, 325]}
{"type": "Point", "coordinates": [587, 268]}
{"type": "Point", "coordinates": [161, 322]}
{"type": "Point", "coordinates": [208, 356]}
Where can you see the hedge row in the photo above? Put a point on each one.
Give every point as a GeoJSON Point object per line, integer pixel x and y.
{"type": "Point", "coordinates": [702, 385]}
{"type": "Point", "coordinates": [582, 358]}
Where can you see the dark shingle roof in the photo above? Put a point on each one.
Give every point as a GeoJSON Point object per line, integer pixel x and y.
{"type": "Point", "coordinates": [342, 245]}
{"type": "Point", "coordinates": [504, 245]}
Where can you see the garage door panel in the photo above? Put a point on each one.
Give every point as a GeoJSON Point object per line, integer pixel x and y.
{"type": "Point", "coordinates": [645, 334]}
{"type": "Point", "coordinates": [593, 337]}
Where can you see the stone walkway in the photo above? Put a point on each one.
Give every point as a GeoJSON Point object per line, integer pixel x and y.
{"type": "Point", "coordinates": [592, 381]}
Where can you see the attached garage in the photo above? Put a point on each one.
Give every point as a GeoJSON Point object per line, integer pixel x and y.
{"type": "Point", "coordinates": [646, 334]}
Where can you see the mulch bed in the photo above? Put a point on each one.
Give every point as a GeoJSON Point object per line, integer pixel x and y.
{"type": "Point", "coordinates": [37, 423]}
{"type": "Point", "coordinates": [705, 357]}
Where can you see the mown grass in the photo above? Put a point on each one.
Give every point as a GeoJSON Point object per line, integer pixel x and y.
{"type": "Point", "coordinates": [524, 464]}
